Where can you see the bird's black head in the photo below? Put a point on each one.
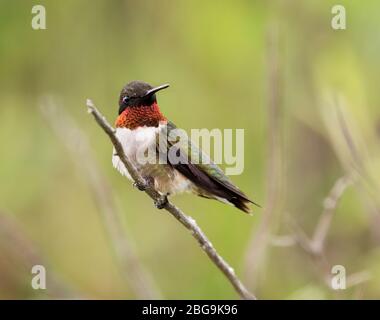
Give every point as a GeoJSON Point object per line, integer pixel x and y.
{"type": "Point", "coordinates": [137, 94]}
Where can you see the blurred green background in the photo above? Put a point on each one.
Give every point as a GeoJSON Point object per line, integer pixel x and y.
{"type": "Point", "coordinates": [275, 68]}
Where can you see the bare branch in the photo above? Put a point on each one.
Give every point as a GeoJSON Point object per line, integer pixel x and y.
{"type": "Point", "coordinates": [78, 146]}
{"type": "Point", "coordinates": [283, 240]}
{"type": "Point", "coordinates": [315, 247]}
{"type": "Point", "coordinates": [358, 278]}
{"type": "Point", "coordinates": [260, 238]}
{"type": "Point", "coordinates": [329, 206]}
{"type": "Point", "coordinates": [188, 222]}
{"type": "Point", "coordinates": [322, 265]}
{"type": "Point", "coordinates": [366, 185]}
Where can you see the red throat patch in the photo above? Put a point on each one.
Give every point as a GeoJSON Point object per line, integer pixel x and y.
{"type": "Point", "coordinates": [135, 117]}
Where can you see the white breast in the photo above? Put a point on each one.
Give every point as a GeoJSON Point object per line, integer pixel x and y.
{"type": "Point", "coordinates": [133, 142]}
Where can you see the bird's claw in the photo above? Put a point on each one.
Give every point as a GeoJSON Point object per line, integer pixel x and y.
{"type": "Point", "coordinates": [140, 186]}
{"type": "Point", "coordinates": [161, 202]}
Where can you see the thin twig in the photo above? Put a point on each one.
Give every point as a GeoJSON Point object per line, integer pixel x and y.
{"type": "Point", "coordinates": [348, 138]}
{"type": "Point", "coordinates": [79, 148]}
{"type": "Point", "coordinates": [316, 244]}
{"type": "Point", "coordinates": [315, 247]}
{"type": "Point", "coordinates": [329, 206]}
{"type": "Point", "coordinates": [319, 258]}
{"type": "Point", "coordinates": [358, 278]}
{"type": "Point", "coordinates": [366, 185]}
{"type": "Point", "coordinates": [188, 222]}
{"type": "Point", "coordinates": [260, 238]}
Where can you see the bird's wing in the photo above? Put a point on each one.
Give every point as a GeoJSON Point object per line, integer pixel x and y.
{"type": "Point", "coordinates": [208, 176]}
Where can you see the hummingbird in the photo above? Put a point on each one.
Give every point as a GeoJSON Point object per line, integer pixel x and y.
{"type": "Point", "coordinates": [138, 123]}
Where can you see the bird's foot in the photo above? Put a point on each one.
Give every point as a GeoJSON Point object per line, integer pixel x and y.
{"type": "Point", "coordinates": [161, 202]}
{"type": "Point", "coordinates": [140, 186]}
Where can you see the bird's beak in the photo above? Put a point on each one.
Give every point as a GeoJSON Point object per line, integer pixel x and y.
{"type": "Point", "coordinates": [154, 90]}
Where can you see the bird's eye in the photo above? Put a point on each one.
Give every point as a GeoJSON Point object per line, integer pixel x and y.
{"type": "Point", "coordinates": [125, 100]}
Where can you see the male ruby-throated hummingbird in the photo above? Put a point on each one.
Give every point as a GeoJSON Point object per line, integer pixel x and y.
{"type": "Point", "coordinates": [138, 124]}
